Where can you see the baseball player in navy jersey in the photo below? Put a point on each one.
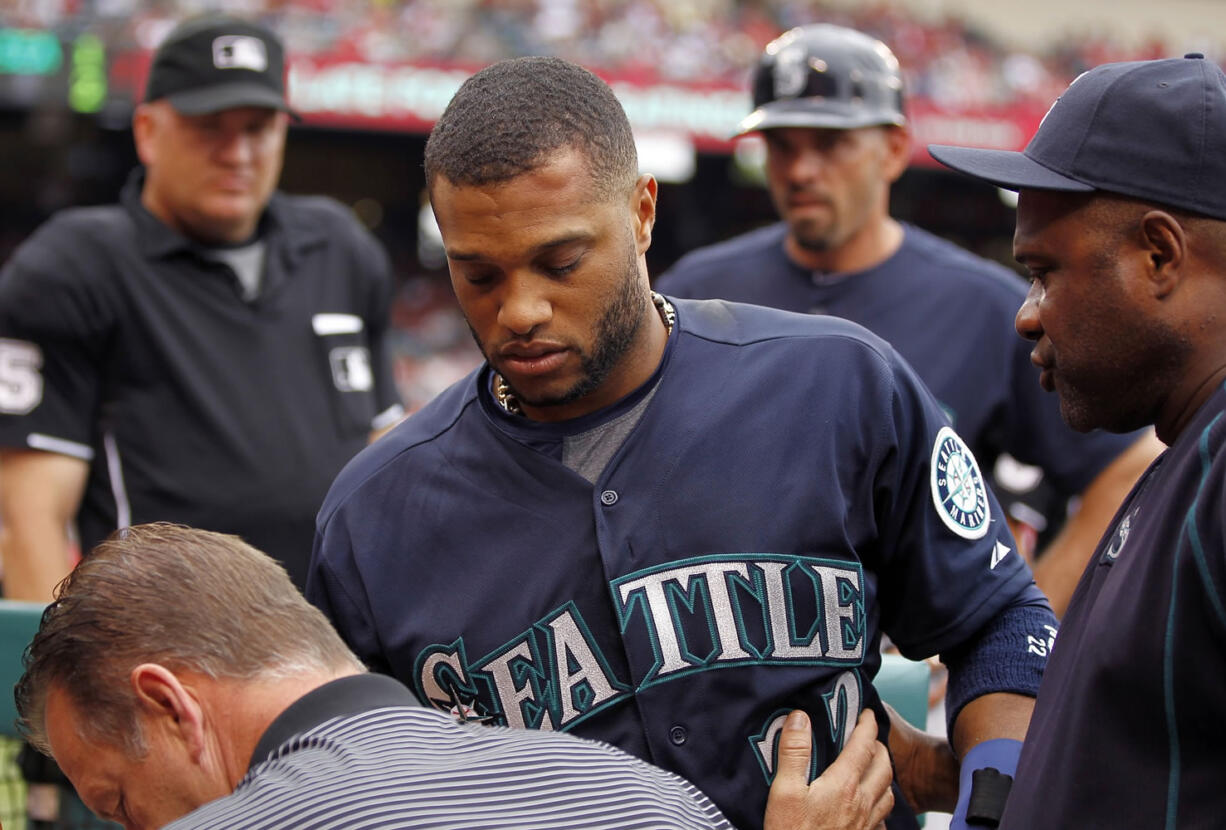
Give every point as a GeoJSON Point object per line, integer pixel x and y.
{"type": "Point", "coordinates": [208, 351]}
{"type": "Point", "coordinates": [1121, 223]}
{"type": "Point", "coordinates": [665, 524]}
{"type": "Point", "coordinates": [828, 101]}
{"type": "Point", "coordinates": [242, 708]}
{"type": "Point", "coordinates": [181, 680]}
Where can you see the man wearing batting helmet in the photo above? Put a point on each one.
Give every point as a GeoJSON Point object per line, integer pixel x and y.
{"type": "Point", "coordinates": [829, 103]}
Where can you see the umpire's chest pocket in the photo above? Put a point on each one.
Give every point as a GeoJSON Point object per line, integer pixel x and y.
{"type": "Point", "coordinates": [347, 360]}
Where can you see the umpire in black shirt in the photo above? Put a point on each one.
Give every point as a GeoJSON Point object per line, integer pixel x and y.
{"type": "Point", "coordinates": [209, 351]}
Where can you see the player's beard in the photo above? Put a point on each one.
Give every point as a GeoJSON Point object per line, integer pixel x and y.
{"type": "Point", "coordinates": [1110, 375]}
{"type": "Point", "coordinates": [616, 331]}
{"type": "Point", "coordinates": [1116, 377]}
{"type": "Point", "coordinates": [809, 239]}
{"type": "Point", "coordinates": [808, 232]}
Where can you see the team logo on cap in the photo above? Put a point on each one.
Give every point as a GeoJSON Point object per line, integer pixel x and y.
{"type": "Point", "coordinates": [789, 72]}
{"type": "Point", "coordinates": [958, 491]}
{"type": "Point", "coordinates": [240, 52]}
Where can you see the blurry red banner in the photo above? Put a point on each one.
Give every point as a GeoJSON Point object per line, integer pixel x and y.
{"type": "Point", "coordinates": [339, 92]}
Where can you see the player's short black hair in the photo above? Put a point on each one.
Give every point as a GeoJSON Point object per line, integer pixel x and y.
{"type": "Point", "coordinates": [508, 118]}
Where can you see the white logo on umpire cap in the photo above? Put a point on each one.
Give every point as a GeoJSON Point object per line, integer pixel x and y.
{"type": "Point", "coordinates": [240, 52]}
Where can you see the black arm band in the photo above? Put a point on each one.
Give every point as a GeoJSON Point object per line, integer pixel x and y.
{"type": "Point", "coordinates": [989, 791]}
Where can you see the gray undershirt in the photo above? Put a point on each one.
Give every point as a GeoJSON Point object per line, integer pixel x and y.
{"type": "Point", "coordinates": [247, 263]}
{"type": "Point", "coordinates": [588, 453]}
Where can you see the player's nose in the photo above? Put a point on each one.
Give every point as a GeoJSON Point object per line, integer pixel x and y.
{"type": "Point", "coordinates": [524, 305]}
{"type": "Point", "coordinates": [1026, 322]}
{"type": "Point", "coordinates": [807, 164]}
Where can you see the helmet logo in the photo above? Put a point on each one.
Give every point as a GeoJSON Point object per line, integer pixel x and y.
{"type": "Point", "coordinates": [789, 72]}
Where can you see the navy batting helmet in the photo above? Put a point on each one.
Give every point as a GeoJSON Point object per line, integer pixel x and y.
{"type": "Point", "coordinates": [825, 76]}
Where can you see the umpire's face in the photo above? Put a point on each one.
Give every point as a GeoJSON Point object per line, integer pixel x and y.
{"type": "Point", "coordinates": [210, 176]}
{"type": "Point", "coordinates": [551, 275]}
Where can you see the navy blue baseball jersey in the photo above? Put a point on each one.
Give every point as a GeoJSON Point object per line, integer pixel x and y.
{"type": "Point", "coordinates": [1128, 728]}
{"type": "Point", "coordinates": [950, 314]}
{"type": "Point", "coordinates": [789, 492]}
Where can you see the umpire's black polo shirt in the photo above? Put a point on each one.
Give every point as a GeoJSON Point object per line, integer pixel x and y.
{"type": "Point", "coordinates": [122, 345]}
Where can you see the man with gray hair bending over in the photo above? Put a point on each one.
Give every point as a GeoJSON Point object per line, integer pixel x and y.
{"type": "Point", "coordinates": [180, 679]}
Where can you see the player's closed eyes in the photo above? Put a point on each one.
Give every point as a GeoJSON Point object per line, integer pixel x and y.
{"type": "Point", "coordinates": [478, 279]}
{"type": "Point", "coordinates": [562, 270]}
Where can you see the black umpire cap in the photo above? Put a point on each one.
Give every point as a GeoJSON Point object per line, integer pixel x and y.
{"type": "Point", "coordinates": [216, 62]}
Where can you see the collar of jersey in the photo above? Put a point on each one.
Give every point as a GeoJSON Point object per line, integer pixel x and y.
{"type": "Point", "coordinates": [156, 240]}
{"type": "Point", "coordinates": [526, 429]}
{"type": "Point", "coordinates": [833, 279]}
{"type": "Point", "coordinates": [345, 696]}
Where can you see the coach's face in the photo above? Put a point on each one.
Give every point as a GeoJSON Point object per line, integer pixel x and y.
{"type": "Point", "coordinates": [210, 176]}
{"type": "Point", "coordinates": [551, 275]}
{"type": "Point", "coordinates": [1094, 309]}
{"type": "Point", "coordinates": [171, 778]}
{"type": "Point", "coordinates": [828, 185]}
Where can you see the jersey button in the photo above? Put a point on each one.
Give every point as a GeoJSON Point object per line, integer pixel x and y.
{"type": "Point", "coordinates": [678, 735]}
{"type": "Point", "coordinates": [608, 498]}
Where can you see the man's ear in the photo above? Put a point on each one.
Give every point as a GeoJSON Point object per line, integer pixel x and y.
{"type": "Point", "coordinates": [144, 125]}
{"type": "Point", "coordinates": [898, 152]}
{"type": "Point", "coordinates": [1165, 243]}
{"type": "Point", "coordinates": [643, 205]}
{"type": "Point", "coordinates": [167, 704]}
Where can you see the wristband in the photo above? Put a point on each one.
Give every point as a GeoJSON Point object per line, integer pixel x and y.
{"type": "Point", "coordinates": [983, 783]}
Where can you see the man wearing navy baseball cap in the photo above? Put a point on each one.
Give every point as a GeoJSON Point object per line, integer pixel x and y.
{"type": "Point", "coordinates": [1121, 222]}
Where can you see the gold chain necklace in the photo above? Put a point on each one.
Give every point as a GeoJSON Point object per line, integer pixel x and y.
{"type": "Point", "coordinates": [506, 398]}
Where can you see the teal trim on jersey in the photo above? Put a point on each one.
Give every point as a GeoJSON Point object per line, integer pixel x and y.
{"type": "Point", "coordinates": [1198, 548]}
{"type": "Point", "coordinates": [1192, 536]}
{"type": "Point", "coordinates": [1168, 693]}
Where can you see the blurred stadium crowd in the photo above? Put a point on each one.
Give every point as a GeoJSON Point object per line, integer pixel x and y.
{"type": "Point", "coordinates": [948, 60]}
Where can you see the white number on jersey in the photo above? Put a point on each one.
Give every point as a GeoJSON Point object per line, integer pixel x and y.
{"type": "Point", "coordinates": [1041, 645]}
{"type": "Point", "coordinates": [21, 383]}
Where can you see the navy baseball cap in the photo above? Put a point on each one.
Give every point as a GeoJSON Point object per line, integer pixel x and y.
{"type": "Point", "coordinates": [1153, 130]}
{"type": "Point", "coordinates": [217, 62]}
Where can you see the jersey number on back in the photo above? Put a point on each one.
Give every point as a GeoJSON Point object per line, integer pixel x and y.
{"type": "Point", "coordinates": [21, 383]}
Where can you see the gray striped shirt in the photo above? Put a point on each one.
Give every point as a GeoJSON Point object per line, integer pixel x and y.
{"type": "Point", "coordinates": [366, 764]}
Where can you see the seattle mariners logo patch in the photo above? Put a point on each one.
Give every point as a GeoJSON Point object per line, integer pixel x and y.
{"type": "Point", "coordinates": [958, 491]}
